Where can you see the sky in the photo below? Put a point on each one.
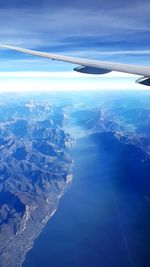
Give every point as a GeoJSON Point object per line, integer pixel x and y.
{"type": "Point", "coordinates": [113, 30]}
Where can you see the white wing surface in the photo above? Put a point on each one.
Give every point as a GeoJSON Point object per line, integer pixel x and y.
{"type": "Point", "coordinates": [92, 66]}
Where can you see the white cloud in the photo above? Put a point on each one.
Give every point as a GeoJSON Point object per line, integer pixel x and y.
{"type": "Point", "coordinates": [45, 26]}
{"type": "Point", "coordinates": [68, 81]}
{"type": "Point", "coordinates": [63, 74]}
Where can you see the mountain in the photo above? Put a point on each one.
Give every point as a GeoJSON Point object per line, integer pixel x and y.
{"type": "Point", "coordinates": [35, 169]}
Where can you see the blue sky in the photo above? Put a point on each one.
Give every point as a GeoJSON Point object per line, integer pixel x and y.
{"type": "Point", "coordinates": [106, 30]}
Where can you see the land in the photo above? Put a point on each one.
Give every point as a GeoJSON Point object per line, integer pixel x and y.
{"type": "Point", "coordinates": [35, 170]}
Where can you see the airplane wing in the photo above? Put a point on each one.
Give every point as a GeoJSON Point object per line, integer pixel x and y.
{"type": "Point", "coordinates": [92, 66]}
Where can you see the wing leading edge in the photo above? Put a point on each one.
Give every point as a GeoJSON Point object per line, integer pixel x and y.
{"type": "Point", "coordinates": [92, 66]}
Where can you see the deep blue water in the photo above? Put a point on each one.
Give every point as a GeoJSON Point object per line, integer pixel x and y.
{"type": "Point", "coordinates": [103, 220]}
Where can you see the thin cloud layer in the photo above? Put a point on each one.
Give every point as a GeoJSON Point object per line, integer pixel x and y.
{"type": "Point", "coordinates": [62, 28]}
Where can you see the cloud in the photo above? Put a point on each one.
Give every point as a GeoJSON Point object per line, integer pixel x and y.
{"type": "Point", "coordinates": [63, 75]}
{"type": "Point", "coordinates": [65, 81]}
{"type": "Point", "coordinates": [63, 27]}
{"type": "Point", "coordinates": [27, 85]}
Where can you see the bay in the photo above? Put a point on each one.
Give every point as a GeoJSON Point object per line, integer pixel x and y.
{"type": "Point", "coordinates": [102, 220]}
